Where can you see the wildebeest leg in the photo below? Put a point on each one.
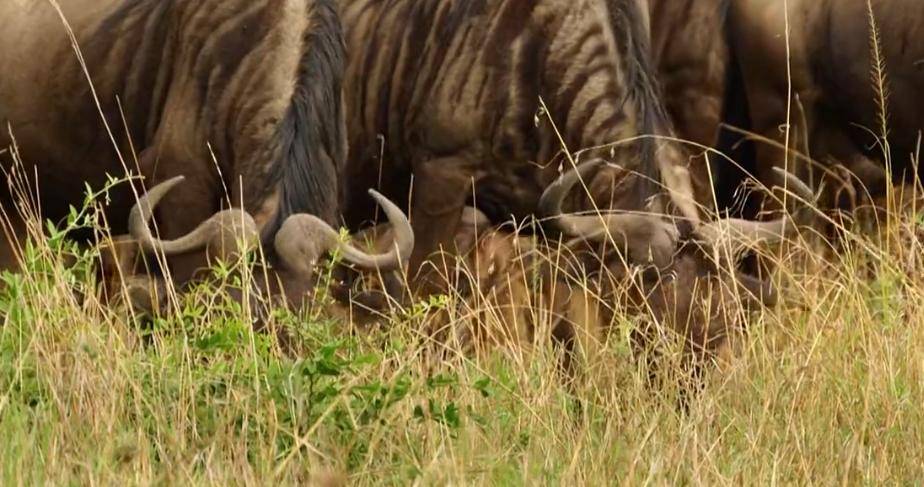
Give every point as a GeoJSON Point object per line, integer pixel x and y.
{"type": "Point", "coordinates": [773, 59]}
{"type": "Point", "coordinates": [782, 149]}
{"type": "Point", "coordinates": [769, 156]}
{"type": "Point", "coordinates": [441, 188]}
{"type": "Point", "coordinates": [854, 181]}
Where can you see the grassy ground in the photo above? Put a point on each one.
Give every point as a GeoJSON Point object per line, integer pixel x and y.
{"type": "Point", "coordinates": [826, 388]}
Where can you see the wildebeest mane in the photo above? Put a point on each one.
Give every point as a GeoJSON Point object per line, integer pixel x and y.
{"type": "Point", "coordinates": [642, 89]}
{"type": "Point", "coordinates": [311, 137]}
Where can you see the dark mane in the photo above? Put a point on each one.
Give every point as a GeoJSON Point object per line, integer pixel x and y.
{"type": "Point", "coordinates": [312, 134]}
{"type": "Point", "coordinates": [643, 92]}
{"type": "Point", "coordinates": [724, 9]}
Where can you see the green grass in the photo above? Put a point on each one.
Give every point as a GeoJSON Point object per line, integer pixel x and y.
{"type": "Point", "coordinates": [826, 388]}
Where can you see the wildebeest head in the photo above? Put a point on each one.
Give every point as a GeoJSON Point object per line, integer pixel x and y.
{"type": "Point", "coordinates": [482, 251]}
{"type": "Point", "coordinates": [693, 287]}
{"type": "Point", "coordinates": [300, 242]}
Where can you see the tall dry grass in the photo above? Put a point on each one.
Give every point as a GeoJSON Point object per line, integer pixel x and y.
{"type": "Point", "coordinates": [825, 388]}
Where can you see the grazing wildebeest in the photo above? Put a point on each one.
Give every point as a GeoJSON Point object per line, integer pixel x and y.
{"type": "Point", "coordinates": [513, 288]}
{"type": "Point", "coordinates": [453, 89]}
{"type": "Point", "coordinates": [241, 98]}
{"type": "Point", "coordinates": [829, 57]}
{"type": "Point", "coordinates": [696, 294]}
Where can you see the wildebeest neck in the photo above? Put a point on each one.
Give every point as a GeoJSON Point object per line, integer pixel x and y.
{"type": "Point", "coordinates": [268, 92]}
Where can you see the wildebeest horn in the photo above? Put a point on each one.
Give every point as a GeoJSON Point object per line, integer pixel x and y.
{"type": "Point", "coordinates": [551, 201]}
{"type": "Point", "coordinates": [607, 224]}
{"type": "Point", "coordinates": [788, 180]}
{"type": "Point", "coordinates": [223, 232]}
{"type": "Point", "coordinates": [303, 239]}
{"type": "Point", "coordinates": [749, 232]}
{"type": "Point", "coordinates": [645, 237]}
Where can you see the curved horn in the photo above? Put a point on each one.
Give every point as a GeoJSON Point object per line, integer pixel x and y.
{"type": "Point", "coordinates": [788, 180]}
{"type": "Point", "coordinates": [747, 232]}
{"type": "Point", "coordinates": [303, 239]}
{"type": "Point", "coordinates": [645, 237]}
{"type": "Point", "coordinates": [404, 240]}
{"type": "Point", "coordinates": [224, 228]}
{"type": "Point", "coordinates": [751, 233]}
{"type": "Point", "coordinates": [551, 201]}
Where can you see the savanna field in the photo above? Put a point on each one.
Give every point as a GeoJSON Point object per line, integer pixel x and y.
{"type": "Point", "coordinates": [826, 386]}
{"type": "Point", "coordinates": [823, 385]}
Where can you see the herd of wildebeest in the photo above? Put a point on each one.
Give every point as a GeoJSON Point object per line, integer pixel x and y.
{"type": "Point", "coordinates": [592, 125]}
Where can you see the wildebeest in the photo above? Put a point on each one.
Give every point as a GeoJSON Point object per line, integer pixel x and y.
{"type": "Point", "coordinates": [511, 289]}
{"type": "Point", "coordinates": [835, 55]}
{"type": "Point", "coordinates": [447, 93]}
{"type": "Point", "coordinates": [697, 76]}
{"type": "Point", "coordinates": [242, 98]}
{"type": "Point", "coordinates": [696, 294]}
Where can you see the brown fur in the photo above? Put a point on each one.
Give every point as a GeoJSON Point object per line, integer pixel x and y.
{"type": "Point", "coordinates": [834, 106]}
{"type": "Point", "coordinates": [241, 97]}
{"type": "Point", "coordinates": [454, 88]}
{"type": "Point", "coordinates": [692, 57]}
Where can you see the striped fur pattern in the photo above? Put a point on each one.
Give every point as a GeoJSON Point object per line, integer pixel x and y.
{"type": "Point", "coordinates": [463, 78]}
{"type": "Point", "coordinates": [241, 96]}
